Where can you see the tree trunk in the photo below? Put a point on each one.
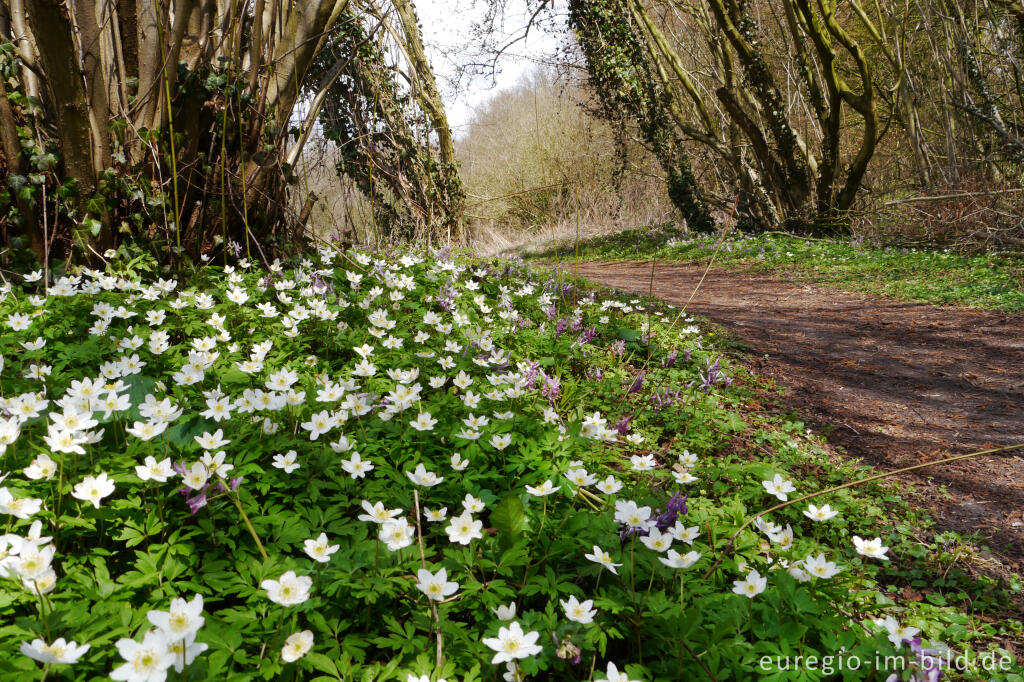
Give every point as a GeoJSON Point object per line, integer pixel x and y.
{"type": "Point", "coordinates": [54, 38]}
{"type": "Point", "coordinates": [10, 145]}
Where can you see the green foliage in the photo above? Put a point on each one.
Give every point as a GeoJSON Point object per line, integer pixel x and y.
{"type": "Point", "coordinates": [492, 377]}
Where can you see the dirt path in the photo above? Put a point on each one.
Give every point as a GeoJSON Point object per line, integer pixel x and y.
{"type": "Point", "coordinates": [900, 383]}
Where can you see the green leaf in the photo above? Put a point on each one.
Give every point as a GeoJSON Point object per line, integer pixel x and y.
{"type": "Point", "coordinates": [509, 517]}
{"type": "Point", "coordinates": [323, 664]}
{"type": "Point", "coordinates": [183, 433]}
{"type": "Point", "coordinates": [628, 334]}
{"type": "Point", "coordinates": [234, 378]}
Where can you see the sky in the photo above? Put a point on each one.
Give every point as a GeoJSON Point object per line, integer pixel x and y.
{"type": "Point", "coordinates": [448, 37]}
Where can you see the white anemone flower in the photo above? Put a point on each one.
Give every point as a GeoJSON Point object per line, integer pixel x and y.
{"type": "Point", "coordinates": [184, 618]}
{"type": "Point", "coordinates": [512, 644]}
{"type": "Point", "coordinates": [870, 548]}
{"type": "Point", "coordinates": [377, 512]}
{"type": "Point", "coordinates": [396, 534]}
{"type": "Point", "coordinates": [319, 549]}
{"type": "Point", "coordinates": [60, 651]}
{"type": "Point", "coordinates": [145, 661]}
{"type": "Point", "coordinates": [296, 646]}
{"type": "Point", "coordinates": [602, 557]}
{"type": "Point", "coordinates": [289, 590]}
{"type": "Point", "coordinates": [505, 612]}
{"type": "Point", "coordinates": [779, 487]}
{"type": "Point", "coordinates": [542, 490]}
{"type": "Point", "coordinates": [436, 586]}
{"type": "Point", "coordinates": [463, 529]}
{"type": "Point", "coordinates": [356, 466]}
{"type": "Point", "coordinates": [152, 470]}
{"type": "Point", "coordinates": [751, 586]}
{"type": "Point", "coordinates": [820, 567]}
{"type": "Point", "coordinates": [93, 489]}
{"type": "Point", "coordinates": [823, 513]}
{"type": "Point", "coordinates": [674, 559]}
{"type": "Point", "coordinates": [287, 461]}
{"type": "Point", "coordinates": [579, 611]}
{"type": "Point", "coordinates": [613, 675]}
{"type": "Point", "coordinates": [423, 477]}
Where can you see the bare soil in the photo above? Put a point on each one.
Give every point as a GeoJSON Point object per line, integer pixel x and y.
{"type": "Point", "coordinates": [891, 382]}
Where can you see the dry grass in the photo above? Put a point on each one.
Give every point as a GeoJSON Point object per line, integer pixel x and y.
{"type": "Point", "coordinates": [538, 167]}
{"type": "Point", "coordinates": [341, 209]}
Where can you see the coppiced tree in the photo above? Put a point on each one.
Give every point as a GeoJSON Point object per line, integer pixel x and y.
{"type": "Point", "coordinates": [392, 137]}
{"type": "Point", "coordinates": [791, 109]}
{"type": "Point", "coordinates": [776, 108]}
{"type": "Point", "coordinates": [184, 121]}
{"type": "Point", "coordinates": [630, 85]}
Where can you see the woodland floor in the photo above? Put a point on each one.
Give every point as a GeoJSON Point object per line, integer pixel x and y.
{"type": "Point", "coordinates": [893, 383]}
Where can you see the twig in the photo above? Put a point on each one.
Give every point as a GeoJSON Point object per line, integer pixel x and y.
{"type": "Point", "coordinates": [423, 561]}
{"type": "Point", "coordinates": [697, 658]}
{"type": "Point", "coordinates": [851, 484]}
{"type": "Point", "coordinates": [942, 197]}
{"type": "Point", "coordinates": [245, 519]}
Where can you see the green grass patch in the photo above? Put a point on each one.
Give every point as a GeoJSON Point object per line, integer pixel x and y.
{"type": "Point", "coordinates": [924, 275]}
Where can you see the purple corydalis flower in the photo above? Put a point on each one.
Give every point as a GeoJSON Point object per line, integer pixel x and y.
{"type": "Point", "coordinates": [623, 426]}
{"type": "Point", "coordinates": [929, 660]}
{"type": "Point", "coordinates": [664, 398]}
{"type": "Point", "coordinates": [637, 384]}
{"type": "Point", "coordinates": [714, 376]}
{"type": "Point", "coordinates": [319, 284]}
{"type": "Point", "coordinates": [626, 531]}
{"type": "Point", "coordinates": [677, 503]}
{"type": "Point", "coordinates": [446, 298]}
{"type": "Point", "coordinates": [196, 503]}
{"type": "Point", "coordinates": [552, 388]}
{"type": "Point", "coordinates": [531, 374]}
{"type": "Point", "coordinates": [561, 326]}
{"type": "Point", "coordinates": [674, 508]}
{"type": "Point", "coordinates": [670, 360]}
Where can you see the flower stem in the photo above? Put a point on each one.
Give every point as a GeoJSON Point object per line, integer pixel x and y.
{"type": "Point", "coordinates": [245, 519]}
{"type": "Point", "coordinates": [439, 650]}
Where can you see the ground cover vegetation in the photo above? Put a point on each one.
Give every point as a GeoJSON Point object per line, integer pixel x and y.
{"type": "Point", "coordinates": [422, 466]}
{"type": "Point", "coordinates": [930, 275]}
